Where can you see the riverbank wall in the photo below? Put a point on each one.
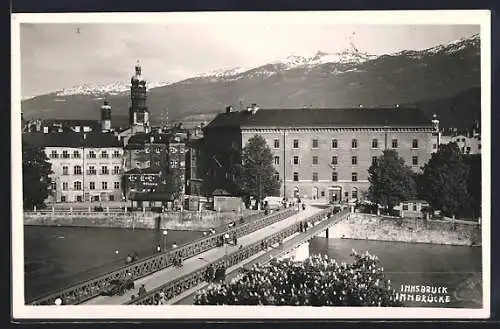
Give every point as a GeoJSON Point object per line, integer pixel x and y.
{"type": "Point", "coordinates": [185, 221]}
{"type": "Point", "coordinates": [371, 227]}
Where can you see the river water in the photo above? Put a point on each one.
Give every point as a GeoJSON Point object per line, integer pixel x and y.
{"type": "Point", "coordinates": [56, 257]}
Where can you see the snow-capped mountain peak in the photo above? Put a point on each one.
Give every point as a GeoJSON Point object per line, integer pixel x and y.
{"type": "Point", "coordinates": [99, 89]}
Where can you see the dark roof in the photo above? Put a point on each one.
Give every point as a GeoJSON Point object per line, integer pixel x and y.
{"type": "Point", "coordinates": [137, 171]}
{"type": "Point", "coordinates": [72, 139]}
{"type": "Point", "coordinates": [94, 124]}
{"type": "Point", "coordinates": [146, 138]}
{"type": "Point", "coordinates": [315, 117]}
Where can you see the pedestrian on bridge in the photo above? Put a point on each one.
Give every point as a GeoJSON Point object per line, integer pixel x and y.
{"type": "Point", "coordinates": [142, 290]}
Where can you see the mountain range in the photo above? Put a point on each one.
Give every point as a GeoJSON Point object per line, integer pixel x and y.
{"type": "Point", "coordinates": [444, 80]}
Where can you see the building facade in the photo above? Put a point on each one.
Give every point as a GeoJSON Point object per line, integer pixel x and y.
{"type": "Point", "coordinates": [87, 167]}
{"type": "Point", "coordinates": [320, 153]}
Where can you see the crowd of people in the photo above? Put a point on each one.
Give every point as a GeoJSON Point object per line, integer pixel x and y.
{"type": "Point", "coordinates": [317, 281]}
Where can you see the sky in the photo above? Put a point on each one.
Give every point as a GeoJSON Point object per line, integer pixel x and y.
{"type": "Point", "coordinates": [62, 55]}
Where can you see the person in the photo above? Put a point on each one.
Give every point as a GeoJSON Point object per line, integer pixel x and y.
{"type": "Point", "coordinates": [235, 239]}
{"type": "Point", "coordinates": [303, 206]}
{"type": "Point", "coordinates": [142, 290]}
{"type": "Point", "coordinates": [128, 260]}
{"type": "Point", "coordinates": [161, 300]}
{"type": "Point", "coordinates": [132, 297]}
{"type": "Point", "coordinates": [158, 248]}
{"type": "Point", "coordinates": [301, 227]}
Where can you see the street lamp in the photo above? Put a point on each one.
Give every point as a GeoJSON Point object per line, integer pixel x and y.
{"type": "Point", "coordinates": [226, 241]}
{"type": "Point", "coordinates": [165, 232]}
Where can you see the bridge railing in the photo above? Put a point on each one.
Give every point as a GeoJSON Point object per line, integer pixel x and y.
{"type": "Point", "coordinates": [93, 287]}
{"type": "Point", "coordinates": [175, 287]}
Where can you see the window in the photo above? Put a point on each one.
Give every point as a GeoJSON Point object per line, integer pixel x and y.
{"type": "Point", "coordinates": [157, 150]}
{"type": "Point", "coordinates": [104, 185]}
{"type": "Point", "coordinates": [375, 143]}
{"type": "Point", "coordinates": [276, 143]}
{"type": "Point", "coordinates": [116, 170]}
{"type": "Point", "coordinates": [334, 177]}
{"type": "Point", "coordinates": [111, 198]}
{"type": "Point", "coordinates": [414, 144]}
{"type": "Point", "coordinates": [295, 160]}
{"type": "Point", "coordinates": [53, 186]}
{"type": "Point", "coordinates": [277, 177]}
{"type": "Point", "coordinates": [354, 194]}
{"type": "Point", "coordinates": [434, 146]}
{"type": "Point", "coordinates": [92, 185]}
{"type": "Point", "coordinates": [414, 207]}
{"type": "Point", "coordinates": [65, 186]}
{"type": "Point", "coordinates": [354, 177]}
{"type": "Point", "coordinates": [276, 160]}
{"type": "Point", "coordinates": [322, 193]}
{"type": "Point", "coordinates": [65, 170]}
{"type": "Point", "coordinates": [92, 170]}
{"type": "Point", "coordinates": [76, 154]}
{"type": "Point", "coordinates": [354, 160]}
{"type": "Point", "coordinates": [77, 186]}
{"type": "Point", "coordinates": [54, 154]}
{"type": "Point", "coordinates": [315, 176]}
{"type": "Point", "coordinates": [116, 154]}
{"type": "Point", "coordinates": [479, 146]}
{"type": "Point", "coordinates": [65, 154]}
{"type": "Point", "coordinates": [116, 185]}
{"type": "Point", "coordinates": [405, 206]}
{"type": "Point", "coordinates": [354, 143]}
{"type": "Point", "coordinates": [63, 198]}
{"type": "Point", "coordinates": [394, 143]}
{"type": "Point", "coordinates": [295, 143]}
{"type": "Point", "coordinates": [335, 144]}
{"type": "Point", "coordinates": [104, 170]}
{"type": "Point", "coordinates": [92, 155]}
{"type": "Point", "coordinates": [104, 154]}
{"type": "Point", "coordinates": [78, 198]}
{"type": "Point", "coordinates": [295, 176]}
{"type": "Point", "coordinates": [315, 144]}
{"type": "Point", "coordinates": [77, 170]}
{"type": "Point", "coordinates": [334, 160]}
{"type": "Point", "coordinates": [374, 160]}
{"type": "Point", "coordinates": [468, 149]}
{"type": "Point", "coordinates": [315, 160]}
{"type": "Point", "coordinates": [414, 160]}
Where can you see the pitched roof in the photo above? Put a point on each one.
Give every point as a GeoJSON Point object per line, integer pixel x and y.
{"type": "Point", "coordinates": [316, 117]}
{"type": "Point", "coordinates": [73, 139]}
{"type": "Point", "coordinates": [143, 138]}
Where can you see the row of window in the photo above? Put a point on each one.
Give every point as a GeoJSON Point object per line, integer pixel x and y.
{"type": "Point", "coordinates": [77, 155]}
{"type": "Point", "coordinates": [334, 161]}
{"type": "Point", "coordinates": [79, 198]}
{"type": "Point", "coordinates": [77, 186]}
{"type": "Point", "coordinates": [335, 177]}
{"type": "Point", "coordinates": [77, 170]}
{"type": "Point", "coordinates": [354, 143]}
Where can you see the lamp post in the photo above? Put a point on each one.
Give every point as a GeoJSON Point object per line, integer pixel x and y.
{"type": "Point", "coordinates": [165, 232]}
{"type": "Point", "coordinates": [226, 241]}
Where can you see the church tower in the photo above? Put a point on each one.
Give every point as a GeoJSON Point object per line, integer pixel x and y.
{"type": "Point", "coordinates": [106, 116]}
{"type": "Point", "coordinates": [138, 111]}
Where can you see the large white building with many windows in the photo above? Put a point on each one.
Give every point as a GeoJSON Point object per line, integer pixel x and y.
{"type": "Point", "coordinates": [87, 167]}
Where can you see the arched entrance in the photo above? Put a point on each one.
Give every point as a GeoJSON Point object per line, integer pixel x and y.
{"type": "Point", "coordinates": [335, 194]}
{"type": "Point", "coordinates": [315, 193]}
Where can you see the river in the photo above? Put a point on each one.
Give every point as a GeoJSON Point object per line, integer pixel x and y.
{"type": "Point", "coordinates": [56, 257]}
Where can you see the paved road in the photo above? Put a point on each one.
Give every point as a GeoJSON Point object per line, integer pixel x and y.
{"type": "Point", "coordinates": [159, 278]}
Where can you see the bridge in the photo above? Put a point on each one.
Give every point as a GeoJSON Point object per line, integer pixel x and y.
{"type": "Point", "coordinates": [279, 230]}
{"type": "Point", "coordinates": [91, 288]}
{"type": "Point", "coordinates": [282, 239]}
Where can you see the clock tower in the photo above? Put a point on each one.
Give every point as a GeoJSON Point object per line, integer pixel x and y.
{"type": "Point", "coordinates": [138, 111]}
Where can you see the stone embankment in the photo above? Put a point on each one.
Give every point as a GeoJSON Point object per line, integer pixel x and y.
{"type": "Point", "coordinates": [187, 220]}
{"type": "Point", "coordinates": [372, 227]}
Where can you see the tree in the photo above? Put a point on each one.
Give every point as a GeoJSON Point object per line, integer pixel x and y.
{"type": "Point", "coordinates": [474, 186]}
{"type": "Point", "coordinates": [443, 182]}
{"type": "Point", "coordinates": [318, 281]}
{"type": "Point", "coordinates": [256, 176]}
{"type": "Point", "coordinates": [36, 180]}
{"type": "Point", "coordinates": [172, 186]}
{"type": "Point", "coordinates": [390, 180]}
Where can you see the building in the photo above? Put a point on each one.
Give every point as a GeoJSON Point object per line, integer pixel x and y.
{"type": "Point", "coordinates": [318, 153]}
{"type": "Point", "coordinates": [194, 174]}
{"type": "Point", "coordinates": [87, 167]}
{"type": "Point", "coordinates": [141, 180]}
{"type": "Point", "coordinates": [138, 110]}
